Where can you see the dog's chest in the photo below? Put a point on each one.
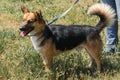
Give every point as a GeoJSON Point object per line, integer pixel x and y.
{"type": "Point", "coordinates": [35, 43]}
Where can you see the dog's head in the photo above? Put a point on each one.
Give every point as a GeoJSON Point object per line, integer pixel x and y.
{"type": "Point", "coordinates": [32, 22]}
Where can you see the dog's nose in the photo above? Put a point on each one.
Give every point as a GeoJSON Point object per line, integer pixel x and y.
{"type": "Point", "coordinates": [22, 28]}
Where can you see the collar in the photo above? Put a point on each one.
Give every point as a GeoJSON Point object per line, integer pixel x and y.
{"type": "Point", "coordinates": [38, 33]}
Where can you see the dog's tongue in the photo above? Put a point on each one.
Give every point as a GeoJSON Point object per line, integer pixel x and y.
{"type": "Point", "coordinates": [22, 33]}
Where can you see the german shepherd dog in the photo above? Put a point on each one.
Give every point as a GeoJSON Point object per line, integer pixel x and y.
{"type": "Point", "coordinates": [51, 40]}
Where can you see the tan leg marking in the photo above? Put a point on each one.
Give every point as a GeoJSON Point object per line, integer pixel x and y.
{"type": "Point", "coordinates": [94, 48]}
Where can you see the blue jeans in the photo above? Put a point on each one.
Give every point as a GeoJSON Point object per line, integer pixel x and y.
{"type": "Point", "coordinates": [112, 31]}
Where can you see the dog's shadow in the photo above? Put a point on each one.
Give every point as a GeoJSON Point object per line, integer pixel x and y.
{"type": "Point", "coordinates": [73, 70]}
{"type": "Point", "coordinates": [70, 71]}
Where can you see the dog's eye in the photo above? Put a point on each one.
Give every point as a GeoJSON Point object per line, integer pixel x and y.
{"type": "Point", "coordinates": [32, 20]}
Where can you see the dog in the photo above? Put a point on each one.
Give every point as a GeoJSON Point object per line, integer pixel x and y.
{"type": "Point", "coordinates": [51, 40]}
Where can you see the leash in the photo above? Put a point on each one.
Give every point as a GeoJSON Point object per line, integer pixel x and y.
{"type": "Point", "coordinates": [63, 14]}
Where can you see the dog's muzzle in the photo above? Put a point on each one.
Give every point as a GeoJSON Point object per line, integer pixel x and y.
{"type": "Point", "coordinates": [25, 30]}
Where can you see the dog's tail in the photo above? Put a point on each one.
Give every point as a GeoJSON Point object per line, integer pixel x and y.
{"type": "Point", "coordinates": [106, 14]}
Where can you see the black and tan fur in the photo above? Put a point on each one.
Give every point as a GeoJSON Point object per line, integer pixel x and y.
{"type": "Point", "coordinates": [51, 40]}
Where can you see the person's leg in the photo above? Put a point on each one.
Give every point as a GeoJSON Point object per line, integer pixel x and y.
{"type": "Point", "coordinates": [111, 31]}
{"type": "Point", "coordinates": [112, 37]}
{"type": "Point", "coordinates": [118, 8]}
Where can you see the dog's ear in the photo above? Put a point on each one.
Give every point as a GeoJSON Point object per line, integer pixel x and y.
{"type": "Point", "coordinates": [38, 14]}
{"type": "Point", "coordinates": [24, 9]}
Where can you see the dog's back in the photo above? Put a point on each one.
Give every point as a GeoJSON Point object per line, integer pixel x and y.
{"type": "Point", "coordinates": [68, 37]}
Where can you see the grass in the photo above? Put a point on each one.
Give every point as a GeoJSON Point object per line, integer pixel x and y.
{"type": "Point", "coordinates": [18, 59]}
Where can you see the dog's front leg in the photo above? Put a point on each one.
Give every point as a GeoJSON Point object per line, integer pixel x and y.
{"type": "Point", "coordinates": [47, 61]}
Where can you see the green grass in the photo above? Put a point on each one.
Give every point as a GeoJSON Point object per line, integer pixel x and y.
{"type": "Point", "coordinates": [19, 60]}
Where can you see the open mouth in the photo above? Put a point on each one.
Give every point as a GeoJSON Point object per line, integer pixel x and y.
{"type": "Point", "coordinates": [26, 31]}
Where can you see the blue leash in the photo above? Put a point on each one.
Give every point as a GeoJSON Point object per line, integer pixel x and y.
{"type": "Point", "coordinates": [61, 15]}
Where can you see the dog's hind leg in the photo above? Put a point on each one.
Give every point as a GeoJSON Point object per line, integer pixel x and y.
{"type": "Point", "coordinates": [94, 49]}
{"type": "Point", "coordinates": [92, 61]}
